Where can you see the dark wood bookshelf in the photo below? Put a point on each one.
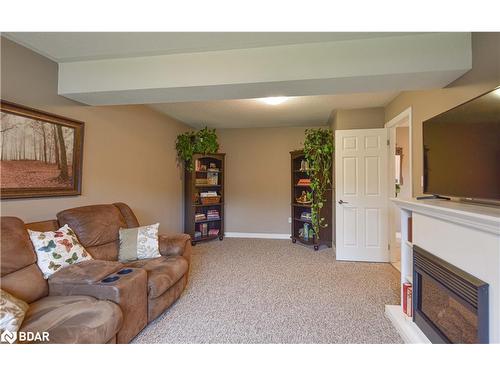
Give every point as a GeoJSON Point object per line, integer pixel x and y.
{"type": "Point", "coordinates": [192, 200]}
{"type": "Point", "coordinates": [297, 209]}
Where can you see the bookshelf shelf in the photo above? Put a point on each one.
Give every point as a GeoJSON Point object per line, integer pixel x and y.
{"type": "Point", "coordinates": [192, 201]}
{"type": "Point", "coordinates": [206, 205]}
{"type": "Point", "coordinates": [298, 225]}
{"type": "Point", "coordinates": [302, 220]}
{"type": "Point", "coordinates": [206, 221]}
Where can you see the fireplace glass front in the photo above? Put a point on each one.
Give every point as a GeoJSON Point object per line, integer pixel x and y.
{"type": "Point", "coordinates": [450, 305]}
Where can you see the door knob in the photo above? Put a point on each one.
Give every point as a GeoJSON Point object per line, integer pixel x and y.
{"type": "Point", "coordinates": [342, 202]}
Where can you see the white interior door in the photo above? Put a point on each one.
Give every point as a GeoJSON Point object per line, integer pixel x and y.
{"type": "Point", "coordinates": [361, 195]}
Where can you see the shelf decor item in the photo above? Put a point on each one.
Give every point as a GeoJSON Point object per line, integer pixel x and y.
{"type": "Point", "coordinates": [301, 204]}
{"type": "Point", "coordinates": [303, 199]}
{"type": "Point", "coordinates": [318, 152]}
{"type": "Point", "coordinates": [204, 197]}
{"type": "Point", "coordinates": [204, 141]}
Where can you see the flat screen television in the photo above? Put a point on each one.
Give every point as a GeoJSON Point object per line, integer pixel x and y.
{"type": "Point", "coordinates": [462, 150]}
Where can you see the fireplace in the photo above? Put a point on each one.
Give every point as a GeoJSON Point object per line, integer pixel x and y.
{"type": "Point", "coordinates": [450, 305]}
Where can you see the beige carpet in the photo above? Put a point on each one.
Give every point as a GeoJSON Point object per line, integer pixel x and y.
{"type": "Point", "coordinates": [272, 291]}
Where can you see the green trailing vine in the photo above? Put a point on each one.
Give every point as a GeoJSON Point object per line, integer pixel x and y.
{"type": "Point", "coordinates": [204, 141]}
{"type": "Point", "coordinates": [318, 150]}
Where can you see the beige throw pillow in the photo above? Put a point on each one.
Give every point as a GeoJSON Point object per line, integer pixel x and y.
{"type": "Point", "coordinates": [56, 250]}
{"type": "Point", "coordinates": [12, 312]}
{"type": "Point", "coordinates": [139, 243]}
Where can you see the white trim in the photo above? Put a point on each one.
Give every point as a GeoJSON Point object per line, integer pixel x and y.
{"type": "Point", "coordinates": [484, 218]}
{"type": "Point", "coordinates": [394, 123]}
{"type": "Point", "coordinates": [401, 120]}
{"type": "Point", "coordinates": [407, 329]}
{"type": "Point", "coordinates": [276, 236]}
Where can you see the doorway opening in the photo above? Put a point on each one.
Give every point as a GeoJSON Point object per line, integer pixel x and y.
{"type": "Point", "coordinates": [400, 184]}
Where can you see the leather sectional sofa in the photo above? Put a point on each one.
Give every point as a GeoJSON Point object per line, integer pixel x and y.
{"type": "Point", "coordinates": [97, 301]}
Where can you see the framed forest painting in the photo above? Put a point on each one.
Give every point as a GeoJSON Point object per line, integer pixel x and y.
{"type": "Point", "coordinates": [40, 154]}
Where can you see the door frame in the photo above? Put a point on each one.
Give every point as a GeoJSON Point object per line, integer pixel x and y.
{"type": "Point", "coordinates": [401, 119]}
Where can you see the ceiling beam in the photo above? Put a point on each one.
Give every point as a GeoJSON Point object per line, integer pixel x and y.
{"type": "Point", "coordinates": [420, 61]}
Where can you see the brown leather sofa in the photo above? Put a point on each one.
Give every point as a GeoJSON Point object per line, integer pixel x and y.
{"type": "Point", "coordinates": [67, 319]}
{"type": "Point", "coordinates": [142, 295]}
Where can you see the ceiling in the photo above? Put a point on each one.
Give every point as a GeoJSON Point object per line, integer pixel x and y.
{"type": "Point", "coordinates": [78, 46]}
{"type": "Point", "coordinates": [212, 79]}
{"type": "Point", "coordinates": [250, 113]}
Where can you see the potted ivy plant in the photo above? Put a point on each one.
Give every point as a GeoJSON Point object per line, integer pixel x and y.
{"type": "Point", "coordinates": [204, 141]}
{"type": "Point", "coordinates": [318, 151]}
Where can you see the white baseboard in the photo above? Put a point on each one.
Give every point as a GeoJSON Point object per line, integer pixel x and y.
{"type": "Point", "coordinates": [276, 236]}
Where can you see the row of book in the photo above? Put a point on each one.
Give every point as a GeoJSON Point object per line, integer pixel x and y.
{"type": "Point", "coordinates": [200, 216]}
{"type": "Point", "coordinates": [210, 215]}
{"type": "Point", "coordinates": [213, 215]}
{"type": "Point", "coordinates": [407, 299]}
{"type": "Point", "coordinates": [204, 232]}
{"type": "Point", "coordinates": [211, 179]}
{"type": "Point", "coordinates": [198, 167]}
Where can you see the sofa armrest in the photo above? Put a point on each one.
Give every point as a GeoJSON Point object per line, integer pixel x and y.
{"type": "Point", "coordinates": [177, 244]}
{"type": "Point", "coordinates": [127, 290]}
{"type": "Point", "coordinates": [88, 272]}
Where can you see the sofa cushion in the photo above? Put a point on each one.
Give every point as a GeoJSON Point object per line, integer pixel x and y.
{"type": "Point", "coordinates": [17, 250]}
{"type": "Point", "coordinates": [162, 272]}
{"type": "Point", "coordinates": [58, 249]}
{"type": "Point", "coordinates": [139, 243]}
{"type": "Point", "coordinates": [74, 319]}
{"type": "Point", "coordinates": [94, 225]}
{"type": "Point", "coordinates": [128, 214]}
{"type": "Point", "coordinates": [27, 284]}
{"type": "Point", "coordinates": [20, 275]}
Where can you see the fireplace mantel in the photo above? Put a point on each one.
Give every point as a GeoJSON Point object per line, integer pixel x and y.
{"type": "Point", "coordinates": [484, 218]}
{"type": "Point", "coordinates": [465, 235]}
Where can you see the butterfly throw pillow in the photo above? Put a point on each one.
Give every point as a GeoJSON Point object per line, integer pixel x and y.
{"type": "Point", "coordinates": [56, 250]}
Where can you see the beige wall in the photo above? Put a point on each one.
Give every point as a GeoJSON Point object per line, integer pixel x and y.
{"type": "Point", "coordinates": [484, 76]}
{"type": "Point", "coordinates": [129, 151]}
{"type": "Point", "coordinates": [362, 118]}
{"type": "Point", "coordinates": [258, 177]}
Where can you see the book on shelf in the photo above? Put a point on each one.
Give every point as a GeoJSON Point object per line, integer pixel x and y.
{"type": "Point", "coordinates": [198, 167]}
{"type": "Point", "coordinates": [197, 234]}
{"type": "Point", "coordinates": [201, 181]}
{"type": "Point", "coordinates": [204, 229]}
{"type": "Point", "coordinates": [200, 217]}
{"type": "Point", "coordinates": [206, 194]}
{"type": "Point", "coordinates": [213, 232]}
{"type": "Point", "coordinates": [213, 214]}
{"type": "Point", "coordinates": [407, 299]}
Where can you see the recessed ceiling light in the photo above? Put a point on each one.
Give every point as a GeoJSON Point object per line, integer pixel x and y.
{"type": "Point", "coordinates": [274, 100]}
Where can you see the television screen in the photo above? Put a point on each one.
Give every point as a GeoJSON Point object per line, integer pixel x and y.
{"type": "Point", "coordinates": [462, 150]}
